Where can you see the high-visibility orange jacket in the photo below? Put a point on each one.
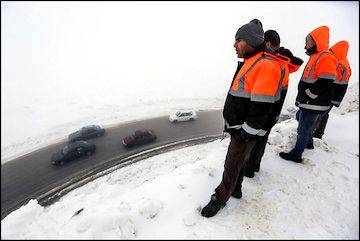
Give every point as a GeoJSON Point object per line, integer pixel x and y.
{"type": "Point", "coordinates": [291, 67]}
{"type": "Point", "coordinates": [254, 90]}
{"type": "Point", "coordinates": [315, 86]}
{"type": "Point", "coordinates": [340, 50]}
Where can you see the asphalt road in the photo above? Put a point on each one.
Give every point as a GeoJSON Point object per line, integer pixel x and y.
{"type": "Point", "coordinates": [29, 176]}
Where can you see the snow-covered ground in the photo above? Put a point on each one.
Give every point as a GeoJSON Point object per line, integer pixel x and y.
{"type": "Point", "coordinates": [160, 197]}
{"type": "Point", "coordinates": [176, 55]}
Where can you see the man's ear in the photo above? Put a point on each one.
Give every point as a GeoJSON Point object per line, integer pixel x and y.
{"type": "Point", "coordinates": [268, 45]}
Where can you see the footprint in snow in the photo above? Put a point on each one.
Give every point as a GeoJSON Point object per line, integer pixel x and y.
{"type": "Point", "coordinates": [190, 219]}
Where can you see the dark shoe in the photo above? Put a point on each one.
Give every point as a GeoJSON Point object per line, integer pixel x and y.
{"type": "Point", "coordinates": [257, 168]}
{"type": "Point", "coordinates": [316, 135]}
{"type": "Point", "coordinates": [249, 173]}
{"type": "Point", "coordinates": [212, 207]}
{"type": "Point", "coordinates": [236, 194]}
{"type": "Point", "coordinates": [289, 157]}
{"type": "Point", "coordinates": [310, 146]}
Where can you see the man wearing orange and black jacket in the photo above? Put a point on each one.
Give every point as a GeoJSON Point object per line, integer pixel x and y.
{"type": "Point", "coordinates": [272, 41]}
{"type": "Point", "coordinates": [247, 107]}
{"type": "Point", "coordinates": [314, 90]}
{"type": "Point", "coordinates": [340, 50]}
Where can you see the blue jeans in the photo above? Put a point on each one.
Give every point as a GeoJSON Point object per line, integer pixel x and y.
{"type": "Point", "coordinates": [321, 124]}
{"type": "Point", "coordinates": [307, 122]}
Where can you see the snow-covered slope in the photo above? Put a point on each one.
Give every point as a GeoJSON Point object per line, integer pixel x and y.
{"type": "Point", "coordinates": [160, 197]}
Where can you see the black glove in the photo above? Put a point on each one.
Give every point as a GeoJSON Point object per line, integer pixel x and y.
{"type": "Point", "coordinates": [242, 136]}
{"type": "Point", "coordinates": [230, 131]}
{"type": "Point", "coordinates": [293, 59]}
{"type": "Point", "coordinates": [285, 52]}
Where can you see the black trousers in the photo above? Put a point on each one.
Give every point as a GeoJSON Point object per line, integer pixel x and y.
{"type": "Point", "coordinates": [257, 153]}
{"type": "Point", "coordinates": [236, 157]}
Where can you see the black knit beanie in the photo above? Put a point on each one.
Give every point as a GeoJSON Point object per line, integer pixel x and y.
{"type": "Point", "coordinates": [251, 32]}
{"type": "Point", "coordinates": [256, 21]}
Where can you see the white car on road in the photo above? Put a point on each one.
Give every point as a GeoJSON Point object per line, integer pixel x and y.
{"type": "Point", "coordinates": [183, 115]}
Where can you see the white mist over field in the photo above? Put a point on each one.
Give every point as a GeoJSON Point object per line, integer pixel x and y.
{"type": "Point", "coordinates": [68, 64]}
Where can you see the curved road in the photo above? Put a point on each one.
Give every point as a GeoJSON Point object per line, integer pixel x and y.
{"type": "Point", "coordinates": [29, 176]}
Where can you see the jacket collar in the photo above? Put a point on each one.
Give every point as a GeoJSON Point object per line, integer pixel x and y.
{"type": "Point", "coordinates": [259, 49]}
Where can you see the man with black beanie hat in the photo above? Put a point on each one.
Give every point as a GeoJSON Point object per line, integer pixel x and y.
{"type": "Point", "coordinates": [248, 105]}
{"type": "Point", "coordinates": [252, 33]}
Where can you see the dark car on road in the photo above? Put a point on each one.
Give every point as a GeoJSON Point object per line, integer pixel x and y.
{"type": "Point", "coordinates": [72, 151]}
{"type": "Point", "coordinates": [139, 137]}
{"type": "Point", "coordinates": [87, 132]}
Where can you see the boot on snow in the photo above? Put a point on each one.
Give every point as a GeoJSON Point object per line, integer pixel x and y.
{"type": "Point", "coordinates": [236, 193]}
{"type": "Point", "coordinates": [212, 207]}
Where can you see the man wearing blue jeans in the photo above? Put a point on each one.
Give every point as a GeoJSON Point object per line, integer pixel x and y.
{"type": "Point", "coordinates": [307, 122]}
{"type": "Point", "coordinates": [314, 90]}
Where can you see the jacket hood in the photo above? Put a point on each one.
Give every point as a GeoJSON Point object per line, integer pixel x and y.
{"type": "Point", "coordinates": [321, 38]}
{"type": "Point", "coordinates": [283, 60]}
{"type": "Point", "coordinates": [340, 49]}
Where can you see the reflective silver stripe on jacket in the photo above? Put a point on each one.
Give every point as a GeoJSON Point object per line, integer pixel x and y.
{"type": "Point", "coordinates": [327, 76]}
{"type": "Point", "coordinates": [246, 128]}
{"type": "Point", "coordinates": [240, 92]}
{"type": "Point", "coordinates": [311, 95]}
{"type": "Point", "coordinates": [253, 131]}
{"type": "Point", "coordinates": [335, 102]}
{"type": "Point", "coordinates": [343, 77]}
{"type": "Point", "coordinates": [232, 127]}
{"type": "Point", "coordinates": [263, 98]}
{"type": "Point", "coordinates": [341, 82]}
{"type": "Point", "coordinates": [257, 97]}
{"type": "Point", "coordinates": [314, 107]}
{"type": "Point", "coordinates": [261, 133]}
{"type": "Point", "coordinates": [309, 79]}
{"type": "Point", "coordinates": [272, 99]}
{"type": "Point", "coordinates": [280, 88]}
{"type": "Point", "coordinates": [345, 73]}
